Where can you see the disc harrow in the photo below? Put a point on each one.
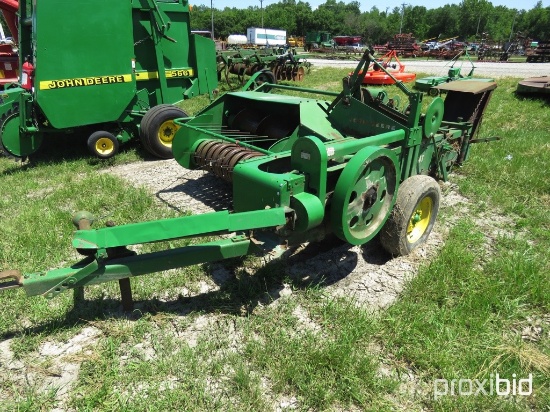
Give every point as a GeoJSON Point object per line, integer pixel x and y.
{"type": "Point", "coordinates": [276, 65]}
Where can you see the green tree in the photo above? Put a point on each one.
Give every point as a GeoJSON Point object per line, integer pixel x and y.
{"type": "Point", "coordinates": [471, 14]}
{"type": "Point", "coordinates": [444, 21]}
{"type": "Point", "coordinates": [500, 22]}
{"type": "Point", "coordinates": [535, 23]}
{"type": "Point", "coordinates": [414, 21]}
{"type": "Point", "coordinates": [467, 20]}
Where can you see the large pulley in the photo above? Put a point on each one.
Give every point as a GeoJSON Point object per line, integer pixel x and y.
{"type": "Point", "coordinates": [364, 195]}
{"type": "Point", "coordinates": [433, 118]}
{"type": "Point", "coordinates": [13, 142]}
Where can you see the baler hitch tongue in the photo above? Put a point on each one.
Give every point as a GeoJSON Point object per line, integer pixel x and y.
{"type": "Point", "coordinates": [10, 279]}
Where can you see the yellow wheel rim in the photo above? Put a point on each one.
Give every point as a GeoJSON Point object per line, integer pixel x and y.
{"type": "Point", "coordinates": [104, 146]}
{"type": "Point", "coordinates": [166, 132]}
{"type": "Point", "coordinates": [420, 220]}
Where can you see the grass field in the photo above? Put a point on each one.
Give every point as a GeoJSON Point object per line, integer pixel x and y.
{"type": "Point", "coordinates": [480, 307]}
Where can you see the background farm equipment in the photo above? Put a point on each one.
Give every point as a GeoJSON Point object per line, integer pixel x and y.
{"type": "Point", "coordinates": [299, 169]}
{"type": "Point", "coordinates": [534, 85]}
{"type": "Point", "coordinates": [490, 50]}
{"type": "Point", "coordinates": [404, 44]}
{"type": "Point", "coordinates": [318, 41]}
{"type": "Point", "coordinates": [296, 41]}
{"type": "Point", "coordinates": [271, 64]}
{"type": "Point", "coordinates": [446, 49]}
{"type": "Point", "coordinates": [540, 54]}
{"type": "Point", "coordinates": [100, 71]}
{"type": "Point", "coordinates": [454, 73]}
{"type": "Point", "coordinates": [393, 65]}
{"type": "Point", "coordinates": [9, 60]}
{"type": "Point", "coordinates": [347, 40]}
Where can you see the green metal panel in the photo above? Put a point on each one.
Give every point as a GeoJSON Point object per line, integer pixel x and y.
{"type": "Point", "coordinates": [96, 60]}
{"type": "Point", "coordinates": [90, 272]}
{"type": "Point", "coordinates": [181, 227]}
{"type": "Point", "coordinates": [83, 60]}
{"type": "Point", "coordinates": [207, 76]}
{"type": "Point", "coordinates": [171, 63]}
{"type": "Point", "coordinates": [270, 190]}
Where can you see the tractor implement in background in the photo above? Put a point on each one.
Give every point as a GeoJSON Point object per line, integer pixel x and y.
{"type": "Point", "coordinates": [273, 64]}
{"type": "Point", "coordinates": [454, 73]}
{"type": "Point", "coordinates": [300, 168]}
{"type": "Point", "coordinates": [534, 86]}
{"type": "Point", "coordinates": [390, 62]}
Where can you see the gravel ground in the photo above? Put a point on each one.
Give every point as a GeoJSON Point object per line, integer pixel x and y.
{"type": "Point", "coordinates": [439, 67]}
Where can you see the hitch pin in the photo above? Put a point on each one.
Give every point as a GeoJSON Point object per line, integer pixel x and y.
{"type": "Point", "coordinates": [15, 282]}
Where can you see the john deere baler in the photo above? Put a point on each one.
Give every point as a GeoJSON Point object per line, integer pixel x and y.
{"type": "Point", "coordinates": [97, 67]}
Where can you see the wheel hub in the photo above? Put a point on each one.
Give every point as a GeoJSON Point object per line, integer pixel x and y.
{"type": "Point", "coordinates": [364, 195]}
{"type": "Point", "coordinates": [104, 145]}
{"type": "Point", "coordinates": [420, 220]}
{"type": "Point", "coordinates": [167, 132]}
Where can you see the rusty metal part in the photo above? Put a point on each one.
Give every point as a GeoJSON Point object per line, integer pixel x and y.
{"type": "Point", "coordinates": [15, 276]}
{"type": "Point", "coordinates": [220, 157]}
{"type": "Point", "coordinates": [126, 294]}
{"type": "Point", "coordinates": [299, 74]}
{"type": "Point", "coordinates": [237, 68]}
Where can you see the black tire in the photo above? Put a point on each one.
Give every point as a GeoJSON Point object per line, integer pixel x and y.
{"type": "Point", "coordinates": [156, 124]}
{"type": "Point", "coordinates": [266, 76]}
{"type": "Point", "coordinates": [416, 195]}
{"type": "Point", "coordinates": [103, 144]}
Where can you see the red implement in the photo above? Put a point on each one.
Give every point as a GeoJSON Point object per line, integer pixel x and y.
{"type": "Point", "coordinates": [376, 76]}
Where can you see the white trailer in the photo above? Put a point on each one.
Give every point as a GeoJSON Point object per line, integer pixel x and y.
{"type": "Point", "coordinates": [265, 37]}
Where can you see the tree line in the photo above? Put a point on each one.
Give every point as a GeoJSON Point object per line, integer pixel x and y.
{"type": "Point", "coordinates": [469, 20]}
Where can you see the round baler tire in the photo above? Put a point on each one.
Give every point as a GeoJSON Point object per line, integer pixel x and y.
{"type": "Point", "coordinates": [103, 144]}
{"type": "Point", "coordinates": [151, 126]}
{"type": "Point", "coordinates": [416, 196]}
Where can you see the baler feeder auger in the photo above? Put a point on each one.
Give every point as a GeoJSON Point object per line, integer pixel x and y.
{"type": "Point", "coordinates": [300, 168]}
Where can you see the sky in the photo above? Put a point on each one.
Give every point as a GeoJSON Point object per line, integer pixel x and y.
{"type": "Point", "coordinates": [367, 5]}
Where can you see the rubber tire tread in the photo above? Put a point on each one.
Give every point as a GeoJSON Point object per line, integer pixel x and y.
{"type": "Point", "coordinates": [149, 128]}
{"type": "Point", "coordinates": [393, 235]}
{"type": "Point", "coordinates": [271, 76]}
{"type": "Point", "coordinates": [92, 141]}
{"type": "Point", "coordinates": [145, 124]}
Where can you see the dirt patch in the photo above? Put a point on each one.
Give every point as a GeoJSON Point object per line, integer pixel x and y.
{"type": "Point", "coordinates": [53, 369]}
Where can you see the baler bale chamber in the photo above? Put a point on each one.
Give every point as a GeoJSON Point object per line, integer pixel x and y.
{"type": "Point", "coordinates": [299, 168]}
{"type": "Point", "coordinates": [96, 68]}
